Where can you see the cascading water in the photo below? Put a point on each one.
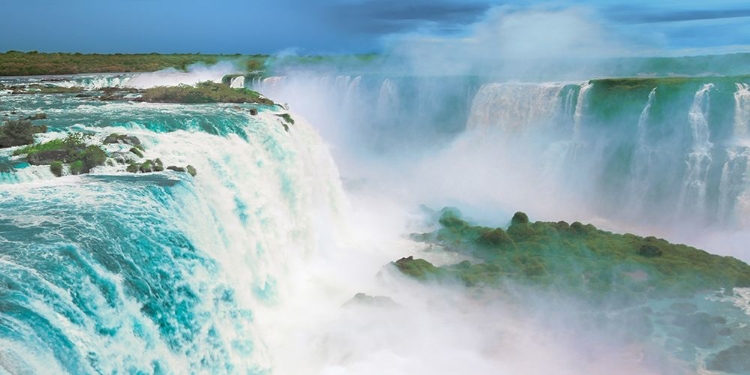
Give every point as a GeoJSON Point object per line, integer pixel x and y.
{"type": "Point", "coordinates": [699, 159]}
{"type": "Point", "coordinates": [514, 106]}
{"type": "Point", "coordinates": [579, 108]}
{"type": "Point", "coordinates": [237, 82]}
{"type": "Point", "coordinates": [641, 163]}
{"type": "Point", "coordinates": [161, 273]}
{"type": "Point", "coordinates": [736, 169]}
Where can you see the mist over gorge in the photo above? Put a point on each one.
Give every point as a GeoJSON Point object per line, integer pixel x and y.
{"type": "Point", "coordinates": [525, 191]}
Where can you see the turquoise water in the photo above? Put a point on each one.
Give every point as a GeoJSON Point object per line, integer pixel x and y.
{"type": "Point", "coordinates": [167, 274]}
{"type": "Point", "coordinates": [158, 273]}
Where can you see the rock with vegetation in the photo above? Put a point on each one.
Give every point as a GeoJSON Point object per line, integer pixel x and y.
{"type": "Point", "coordinates": [72, 149]}
{"type": "Point", "coordinates": [191, 170]}
{"type": "Point", "coordinates": [204, 92]}
{"type": "Point", "coordinates": [18, 133]}
{"type": "Point", "coordinates": [56, 167]}
{"type": "Point", "coordinates": [579, 259]}
{"type": "Point", "coordinates": [137, 152]}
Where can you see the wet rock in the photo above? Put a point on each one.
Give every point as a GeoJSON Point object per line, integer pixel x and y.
{"type": "Point", "coordinates": [47, 157]}
{"type": "Point", "coordinates": [176, 169]}
{"type": "Point", "coordinates": [137, 152]}
{"type": "Point", "coordinates": [733, 360]}
{"type": "Point", "coordinates": [253, 112]}
{"type": "Point", "coordinates": [38, 116]}
{"type": "Point", "coordinates": [122, 138]}
{"type": "Point", "coordinates": [123, 157]}
{"type": "Point", "coordinates": [190, 169]}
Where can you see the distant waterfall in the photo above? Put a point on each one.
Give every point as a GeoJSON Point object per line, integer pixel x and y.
{"type": "Point", "coordinates": [514, 106]}
{"type": "Point", "coordinates": [735, 172]}
{"type": "Point", "coordinates": [238, 82]}
{"type": "Point", "coordinates": [640, 166]}
{"type": "Point", "coordinates": [580, 104]}
{"type": "Point", "coordinates": [699, 158]}
{"type": "Point", "coordinates": [388, 97]}
{"type": "Point", "coordinates": [742, 110]}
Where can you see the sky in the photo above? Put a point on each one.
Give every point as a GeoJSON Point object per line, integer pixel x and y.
{"type": "Point", "coordinates": [337, 26]}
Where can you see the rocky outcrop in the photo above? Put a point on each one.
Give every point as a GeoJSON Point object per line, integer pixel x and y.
{"type": "Point", "coordinates": [47, 157]}
{"type": "Point", "coordinates": [115, 138]}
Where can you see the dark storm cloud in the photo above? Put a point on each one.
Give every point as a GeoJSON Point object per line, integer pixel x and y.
{"type": "Point", "coordinates": [378, 17]}
{"type": "Point", "coordinates": [646, 15]}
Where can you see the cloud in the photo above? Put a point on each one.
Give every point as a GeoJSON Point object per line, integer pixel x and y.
{"type": "Point", "coordinates": [378, 17]}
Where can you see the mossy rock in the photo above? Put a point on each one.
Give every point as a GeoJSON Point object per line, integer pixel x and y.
{"type": "Point", "coordinates": [56, 167]}
{"type": "Point", "coordinates": [133, 168]}
{"type": "Point", "coordinates": [136, 151]}
{"type": "Point", "coordinates": [190, 169]}
{"type": "Point", "coordinates": [735, 360]}
{"type": "Point", "coordinates": [76, 167]}
{"type": "Point", "coordinates": [147, 167]}
{"type": "Point", "coordinates": [416, 268]}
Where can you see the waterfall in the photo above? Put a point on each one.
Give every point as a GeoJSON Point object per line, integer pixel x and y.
{"type": "Point", "coordinates": [388, 98]}
{"type": "Point", "coordinates": [163, 273]}
{"type": "Point", "coordinates": [735, 172]}
{"type": "Point", "coordinates": [238, 82]}
{"type": "Point", "coordinates": [640, 165]}
{"type": "Point", "coordinates": [699, 157]}
{"type": "Point", "coordinates": [514, 106]}
{"type": "Point", "coordinates": [742, 110]}
{"type": "Point", "coordinates": [580, 106]}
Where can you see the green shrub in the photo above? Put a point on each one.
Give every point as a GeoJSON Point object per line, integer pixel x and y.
{"type": "Point", "coordinates": [76, 167]}
{"type": "Point", "coordinates": [204, 92]}
{"type": "Point", "coordinates": [16, 133]}
{"type": "Point", "coordinates": [56, 168]}
{"type": "Point", "coordinates": [93, 156]}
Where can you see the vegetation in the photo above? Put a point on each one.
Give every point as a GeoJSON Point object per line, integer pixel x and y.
{"type": "Point", "coordinates": [204, 92]}
{"type": "Point", "coordinates": [18, 133]}
{"type": "Point", "coordinates": [56, 168]}
{"type": "Point", "coordinates": [73, 149]}
{"type": "Point", "coordinates": [575, 258]}
{"type": "Point", "coordinates": [14, 63]}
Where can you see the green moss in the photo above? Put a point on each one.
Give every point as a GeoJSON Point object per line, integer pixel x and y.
{"type": "Point", "coordinates": [204, 92]}
{"type": "Point", "coordinates": [56, 168]}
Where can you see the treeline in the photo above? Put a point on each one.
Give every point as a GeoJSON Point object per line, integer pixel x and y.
{"type": "Point", "coordinates": [15, 63]}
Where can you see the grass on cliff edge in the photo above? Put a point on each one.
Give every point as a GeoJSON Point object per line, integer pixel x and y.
{"type": "Point", "coordinates": [576, 258]}
{"type": "Point", "coordinates": [204, 92]}
{"type": "Point", "coordinates": [15, 63]}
